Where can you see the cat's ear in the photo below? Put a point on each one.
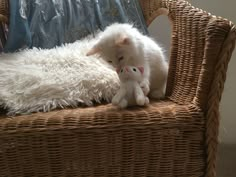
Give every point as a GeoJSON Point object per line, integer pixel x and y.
{"type": "Point", "coordinates": [94, 50]}
{"type": "Point", "coordinates": [141, 69]}
{"type": "Point", "coordinates": [122, 40]}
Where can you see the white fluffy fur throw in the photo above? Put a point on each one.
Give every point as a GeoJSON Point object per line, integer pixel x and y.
{"type": "Point", "coordinates": [42, 80]}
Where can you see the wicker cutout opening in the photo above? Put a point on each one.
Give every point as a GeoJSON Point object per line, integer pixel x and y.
{"type": "Point", "coordinates": [160, 30]}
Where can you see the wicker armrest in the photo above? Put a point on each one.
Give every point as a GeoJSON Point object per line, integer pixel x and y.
{"type": "Point", "coordinates": [202, 45]}
{"type": "Point", "coordinates": [4, 14]}
{"type": "Point", "coordinates": [4, 11]}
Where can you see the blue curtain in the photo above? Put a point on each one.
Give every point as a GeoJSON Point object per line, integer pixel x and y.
{"type": "Point", "coordinates": [48, 23]}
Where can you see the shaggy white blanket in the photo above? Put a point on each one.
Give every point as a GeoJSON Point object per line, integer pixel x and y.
{"type": "Point", "coordinates": [42, 80]}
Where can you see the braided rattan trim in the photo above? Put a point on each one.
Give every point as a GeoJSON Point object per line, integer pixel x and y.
{"type": "Point", "coordinates": [217, 87]}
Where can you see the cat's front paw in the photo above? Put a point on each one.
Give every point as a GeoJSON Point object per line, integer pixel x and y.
{"type": "Point", "coordinates": [157, 94]}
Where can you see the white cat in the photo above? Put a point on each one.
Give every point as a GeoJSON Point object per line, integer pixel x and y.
{"type": "Point", "coordinates": [130, 92]}
{"type": "Point", "coordinates": [123, 45]}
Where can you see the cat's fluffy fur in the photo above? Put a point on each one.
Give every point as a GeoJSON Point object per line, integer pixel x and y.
{"type": "Point", "coordinates": [123, 45]}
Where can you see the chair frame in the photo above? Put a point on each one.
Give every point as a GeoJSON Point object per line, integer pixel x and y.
{"type": "Point", "coordinates": [200, 89]}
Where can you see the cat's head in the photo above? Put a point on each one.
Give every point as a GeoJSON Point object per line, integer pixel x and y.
{"type": "Point", "coordinates": [130, 73]}
{"type": "Point", "coordinates": [116, 44]}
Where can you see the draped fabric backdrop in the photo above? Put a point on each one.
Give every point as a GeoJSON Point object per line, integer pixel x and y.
{"type": "Point", "coordinates": [45, 24]}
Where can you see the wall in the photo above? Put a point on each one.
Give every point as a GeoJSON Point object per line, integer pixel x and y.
{"type": "Point", "coordinates": [160, 30]}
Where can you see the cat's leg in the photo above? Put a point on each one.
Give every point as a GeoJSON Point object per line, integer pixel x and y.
{"type": "Point", "coordinates": [139, 95]}
{"type": "Point", "coordinates": [158, 86]}
{"type": "Point", "coordinates": [158, 93]}
{"type": "Point", "coordinates": [119, 95]}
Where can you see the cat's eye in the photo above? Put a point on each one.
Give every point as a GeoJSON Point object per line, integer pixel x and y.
{"type": "Point", "coordinates": [109, 61]}
{"type": "Point", "coordinates": [121, 70]}
{"type": "Point", "coordinates": [134, 69]}
{"type": "Point", "coordinates": [120, 58]}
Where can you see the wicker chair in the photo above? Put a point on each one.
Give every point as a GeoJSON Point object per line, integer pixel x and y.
{"type": "Point", "coordinates": [173, 137]}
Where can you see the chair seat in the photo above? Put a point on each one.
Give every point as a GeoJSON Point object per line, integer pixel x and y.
{"type": "Point", "coordinates": [105, 141]}
{"type": "Point", "coordinates": [159, 114]}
